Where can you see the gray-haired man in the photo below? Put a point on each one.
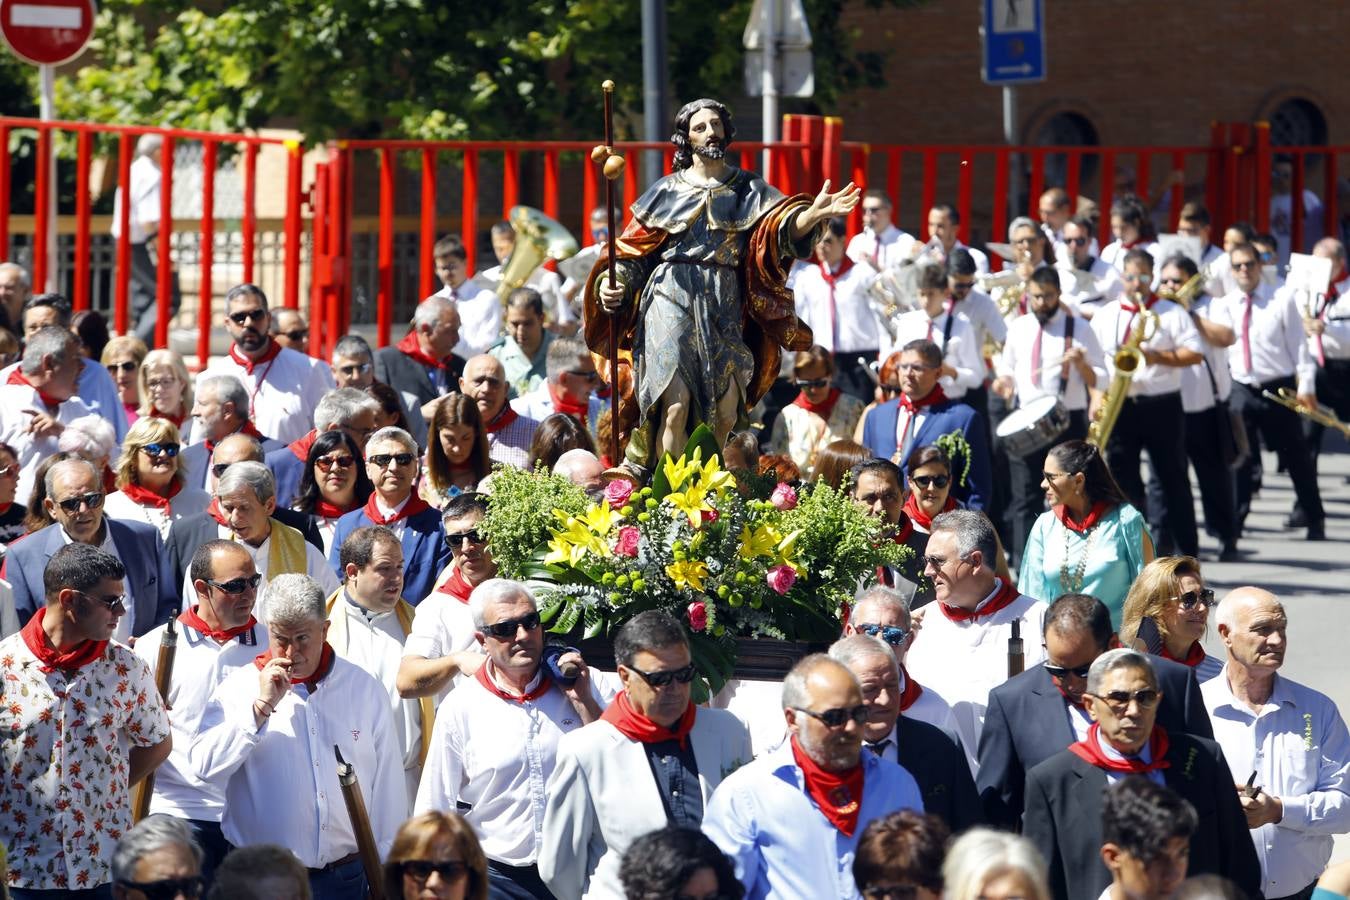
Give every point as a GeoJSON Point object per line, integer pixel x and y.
{"type": "Point", "coordinates": [158, 857]}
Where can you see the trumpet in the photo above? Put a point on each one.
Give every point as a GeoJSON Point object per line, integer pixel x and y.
{"type": "Point", "coordinates": [1320, 414]}
{"type": "Point", "coordinates": [1128, 359]}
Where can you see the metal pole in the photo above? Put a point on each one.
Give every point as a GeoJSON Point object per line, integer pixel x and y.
{"type": "Point", "coordinates": [1014, 160]}
{"type": "Point", "coordinates": [769, 77]}
{"type": "Point", "coordinates": [655, 87]}
{"type": "Point", "coordinates": [47, 112]}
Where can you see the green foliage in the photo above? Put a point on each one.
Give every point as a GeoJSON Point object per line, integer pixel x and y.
{"type": "Point", "coordinates": [521, 517]}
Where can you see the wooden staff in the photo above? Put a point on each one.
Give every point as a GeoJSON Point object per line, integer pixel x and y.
{"type": "Point", "coordinates": [1016, 660]}
{"type": "Point", "coordinates": [365, 838]}
{"type": "Point", "coordinates": [168, 647]}
{"type": "Point", "coordinates": [612, 165]}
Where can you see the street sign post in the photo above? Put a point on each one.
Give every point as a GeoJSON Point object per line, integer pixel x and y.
{"type": "Point", "coordinates": [47, 32]}
{"type": "Point", "coordinates": [1014, 41]}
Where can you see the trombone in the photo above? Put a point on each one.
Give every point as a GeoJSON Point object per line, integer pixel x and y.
{"type": "Point", "coordinates": [1320, 414]}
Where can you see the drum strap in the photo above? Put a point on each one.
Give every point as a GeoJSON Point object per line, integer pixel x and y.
{"type": "Point", "coordinates": [1068, 342]}
{"type": "Point", "coordinates": [947, 328]}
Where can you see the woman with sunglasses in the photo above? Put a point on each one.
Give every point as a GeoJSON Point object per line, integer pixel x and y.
{"type": "Point", "coordinates": [11, 514]}
{"type": "Point", "coordinates": [820, 415]}
{"type": "Point", "coordinates": [123, 357]}
{"type": "Point", "coordinates": [334, 483]}
{"type": "Point", "coordinates": [1167, 613]}
{"type": "Point", "coordinates": [165, 390]}
{"type": "Point", "coordinates": [151, 478]}
{"type": "Point", "coordinates": [1091, 541]}
{"type": "Point", "coordinates": [435, 856]}
{"type": "Point", "coordinates": [457, 451]}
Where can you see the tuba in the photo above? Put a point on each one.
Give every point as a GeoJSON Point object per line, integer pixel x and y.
{"type": "Point", "coordinates": [537, 238]}
{"type": "Point", "coordinates": [893, 292]}
{"type": "Point", "coordinates": [1126, 361]}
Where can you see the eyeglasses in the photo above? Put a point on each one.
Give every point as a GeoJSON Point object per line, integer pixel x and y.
{"type": "Point", "coordinates": [169, 450]}
{"type": "Point", "coordinates": [809, 383]}
{"type": "Point", "coordinates": [160, 384]}
{"type": "Point", "coordinates": [251, 315]}
{"type": "Point", "coordinates": [1062, 672]}
{"type": "Point", "coordinates": [297, 335]}
{"type": "Point", "coordinates": [112, 603]}
{"type": "Point", "coordinates": [960, 286]}
{"type": "Point", "coordinates": [358, 369]}
{"type": "Point", "coordinates": [7, 471]}
{"type": "Point", "coordinates": [891, 634]}
{"type": "Point", "coordinates": [326, 463]}
{"type": "Point", "coordinates": [838, 717]}
{"type": "Point", "coordinates": [927, 481]}
{"type": "Point", "coordinates": [508, 629]}
{"type": "Point", "coordinates": [237, 586]}
{"type": "Point", "coordinates": [661, 679]}
{"type": "Point", "coordinates": [1078, 241]}
{"type": "Point", "coordinates": [93, 500]}
{"type": "Point", "coordinates": [1252, 264]}
{"type": "Point", "coordinates": [382, 460]}
{"type": "Point", "coordinates": [455, 541]}
{"type": "Point", "coordinates": [168, 888]}
{"type": "Point", "coordinates": [1119, 701]}
{"type": "Point", "coordinates": [592, 375]}
{"type": "Point", "coordinates": [218, 469]}
{"type": "Point", "coordinates": [420, 870]}
{"type": "Point", "coordinates": [128, 366]}
{"type": "Point", "coordinates": [1171, 281]}
{"type": "Point", "coordinates": [1192, 599]}
{"type": "Point", "coordinates": [938, 562]}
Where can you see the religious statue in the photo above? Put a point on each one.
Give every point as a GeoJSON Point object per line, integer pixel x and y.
{"type": "Point", "coordinates": [700, 300]}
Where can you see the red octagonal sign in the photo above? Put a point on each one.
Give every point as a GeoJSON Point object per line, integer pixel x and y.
{"type": "Point", "coordinates": [47, 32]}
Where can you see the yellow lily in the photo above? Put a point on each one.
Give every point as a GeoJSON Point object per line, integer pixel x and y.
{"type": "Point", "coordinates": [574, 542]}
{"type": "Point", "coordinates": [693, 500]}
{"type": "Point", "coordinates": [760, 542]}
{"type": "Point", "coordinates": [688, 573]}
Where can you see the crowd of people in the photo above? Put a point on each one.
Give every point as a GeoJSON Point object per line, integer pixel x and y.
{"type": "Point", "coordinates": [1023, 707]}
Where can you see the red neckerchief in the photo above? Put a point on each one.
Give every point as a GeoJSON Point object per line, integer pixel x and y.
{"type": "Point", "coordinates": [325, 666]}
{"type": "Point", "coordinates": [177, 420]}
{"type": "Point", "coordinates": [491, 686]}
{"type": "Point", "coordinates": [414, 506]}
{"type": "Point", "coordinates": [325, 510]}
{"type": "Point", "coordinates": [456, 586]}
{"type": "Point", "coordinates": [912, 690]}
{"type": "Point", "coordinates": [50, 658]}
{"type": "Point", "coordinates": [1090, 751]}
{"type": "Point", "coordinates": [412, 348]}
{"type": "Point", "coordinates": [566, 405]}
{"type": "Point", "coordinates": [838, 795]}
{"type": "Point", "coordinates": [503, 419]}
{"type": "Point", "coordinates": [301, 447]}
{"type": "Point", "coordinates": [832, 279]}
{"type": "Point", "coordinates": [192, 619]}
{"type": "Point", "coordinates": [1003, 596]}
{"type": "Point", "coordinates": [1094, 515]}
{"type": "Point", "coordinates": [918, 516]}
{"type": "Point", "coordinates": [247, 428]}
{"type": "Point", "coordinates": [17, 377]}
{"type": "Point", "coordinates": [1133, 310]}
{"type": "Point", "coordinates": [821, 409]}
{"type": "Point", "coordinates": [273, 349]}
{"type": "Point", "coordinates": [143, 496]}
{"type": "Point", "coordinates": [4, 507]}
{"type": "Point", "coordinates": [214, 512]}
{"type": "Point", "coordinates": [1130, 245]}
{"type": "Point", "coordinates": [935, 396]}
{"type": "Point", "coordinates": [1194, 656]}
{"type": "Point", "coordinates": [636, 727]}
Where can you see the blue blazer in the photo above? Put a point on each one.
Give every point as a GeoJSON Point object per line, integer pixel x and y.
{"type": "Point", "coordinates": [288, 470]}
{"type": "Point", "coordinates": [148, 584]}
{"type": "Point", "coordinates": [425, 552]}
{"type": "Point", "coordinates": [942, 418]}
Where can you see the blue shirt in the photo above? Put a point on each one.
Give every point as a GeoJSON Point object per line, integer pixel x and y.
{"type": "Point", "coordinates": [1110, 554]}
{"type": "Point", "coordinates": [95, 387]}
{"type": "Point", "coordinates": [781, 844]}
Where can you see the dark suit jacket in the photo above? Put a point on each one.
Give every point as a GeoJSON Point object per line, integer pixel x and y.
{"type": "Point", "coordinates": [935, 758]}
{"type": "Point", "coordinates": [941, 418]}
{"type": "Point", "coordinates": [153, 599]}
{"type": "Point", "coordinates": [189, 533]}
{"type": "Point", "coordinates": [196, 460]}
{"type": "Point", "coordinates": [406, 375]}
{"type": "Point", "coordinates": [287, 470]}
{"type": "Point", "coordinates": [1064, 818]}
{"type": "Point", "coordinates": [425, 553]}
{"type": "Point", "coordinates": [1026, 723]}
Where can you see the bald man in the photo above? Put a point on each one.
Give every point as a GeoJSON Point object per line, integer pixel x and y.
{"type": "Point", "coordinates": [508, 432]}
{"type": "Point", "coordinates": [1291, 737]}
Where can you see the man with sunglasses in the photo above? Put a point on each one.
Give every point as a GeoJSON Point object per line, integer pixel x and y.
{"type": "Point", "coordinates": [1064, 794]}
{"type": "Point", "coordinates": [1291, 738]}
{"type": "Point", "coordinates": [82, 723]}
{"type": "Point", "coordinates": [496, 737]}
{"type": "Point", "coordinates": [880, 244]}
{"type": "Point", "coordinates": [1095, 282]}
{"type": "Point", "coordinates": [392, 462]}
{"type": "Point", "coordinates": [342, 409]}
{"type": "Point", "coordinates": [282, 384]}
{"type": "Point", "coordinates": [75, 503]}
{"type": "Point", "coordinates": [39, 399]}
{"type": "Point", "coordinates": [1038, 713]}
{"type": "Point", "coordinates": [158, 859]}
{"type": "Point", "coordinates": [219, 412]}
{"type": "Point", "coordinates": [289, 329]}
{"type": "Point", "coordinates": [570, 387]}
{"type": "Point", "coordinates": [791, 820]}
{"type": "Point", "coordinates": [216, 635]}
{"type": "Point", "coordinates": [652, 760]}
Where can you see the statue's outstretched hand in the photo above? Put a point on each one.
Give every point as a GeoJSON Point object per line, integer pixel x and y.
{"type": "Point", "coordinates": [828, 205]}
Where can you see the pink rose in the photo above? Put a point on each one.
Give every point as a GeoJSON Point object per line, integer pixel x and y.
{"type": "Point", "coordinates": [710, 516]}
{"type": "Point", "coordinates": [784, 498]}
{"type": "Point", "coordinates": [781, 578]}
{"type": "Point", "coordinates": [627, 544]}
{"type": "Point", "coordinates": [618, 491]}
{"type": "Point", "coordinates": [698, 615]}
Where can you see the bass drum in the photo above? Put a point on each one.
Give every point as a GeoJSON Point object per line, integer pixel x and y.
{"type": "Point", "coordinates": [1034, 426]}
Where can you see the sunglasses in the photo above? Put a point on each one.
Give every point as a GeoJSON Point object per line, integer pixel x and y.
{"type": "Point", "coordinates": [297, 336]}
{"type": "Point", "coordinates": [1171, 281]}
{"type": "Point", "coordinates": [252, 315]}
{"type": "Point", "coordinates": [961, 286]}
{"type": "Point", "coordinates": [661, 679]}
{"type": "Point", "coordinates": [169, 888]}
{"type": "Point", "coordinates": [169, 450]}
{"type": "Point", "coordinates": [806, 384]}
{"type": "Point", "coordinates": [420, 870]}
{"type": "Point", "coordinates": [1192, 599]}
{"type": "Point", "coordinates": [589, 376]}
{"type": "Point", "coordinates": [121, 367]}
{"type": "Point", "coordinates": [113, 603]}
{"type": "Point", "coordinates": [93, 500]}
{"type": "Point", "coordinates": [891, 634]}
{"type": "Point", "coordinates": [326, 463]}
{"type": "Point", "coordinates": [237, 585]}
{"type": "Point", "coordinates": [382, 460]}
{"type": "Point", "coordinates": [937, 562]}
{"type": "Point", "coordinates": [1119, 701]}
{"type": "Point", "coordinates": [927, 481]}
{"type": "Point", "coordinates": [838, 717]}
{"type": "Point", "coordinates": [1253, 264]}
{"type": "Point", "coordinates": [358, 369]}
{"type": "Point", "coordinates": [1063, 672]}
{"type": "Point", "coordinates": [455, 541]}
{"type": "Point", "coordinates": [508, 629]}
{"type": "Point", "coordinates": [1078, 241]}
{"type": "Point", "coordinates": [218, 469]}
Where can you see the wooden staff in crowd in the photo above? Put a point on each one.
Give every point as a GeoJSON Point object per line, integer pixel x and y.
{"type": "Point", "coordinates": [1016, 659]}
{"type": "Point", "coordinates": [365, 838]}
{"type": "Point", "coordinates": [168, 646]}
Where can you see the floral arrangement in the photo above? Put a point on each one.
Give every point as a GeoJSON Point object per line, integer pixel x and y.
{"type": "Point", "coordinates": [692, 544]}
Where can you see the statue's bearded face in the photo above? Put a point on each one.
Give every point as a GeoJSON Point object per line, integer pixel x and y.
{"type": "Point", "coordinates": [707, 134]}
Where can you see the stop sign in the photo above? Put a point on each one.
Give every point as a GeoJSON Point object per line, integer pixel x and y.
{"type": "Point", "coordinates": [47, 32]}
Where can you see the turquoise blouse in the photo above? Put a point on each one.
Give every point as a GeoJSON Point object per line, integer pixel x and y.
{"type": "Point", "coordinates": [1109, 556]}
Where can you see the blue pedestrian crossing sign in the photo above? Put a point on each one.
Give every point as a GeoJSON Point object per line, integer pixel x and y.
{"type": "Point", "coordinates": [1014, 41]}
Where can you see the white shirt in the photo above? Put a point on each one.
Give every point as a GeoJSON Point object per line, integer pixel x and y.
{"type": "Point", "coordinates": [31, 451]}
{"type": "Point", "coordinates": [1198, 393]}
{"type": "Point", "coordinates": [1299, 748]}
{"type": "Point", "coordinates": [548, 283]}
{"type": "Point", "coordinates": [1062, 251]}
{"type": "Point", "coordinates": [280, 780]}
{"type": "Point", "coordinates": [480, 317]}
{"type": "Point", "coordinates": [962, 352]}
{"type": "Point", "coordinates": [199, 665]}
{"type": "Point", "coordinates": [1274, 336]}
{"type": "Point", "coordinates": [846, 325]}
{"type": "Point", "coordinates": [980, 310]}
{"type": "Point", "coordinates": [1106, 285]}
{"type": "Point", "coordinates": [885, 250]}
{"type": "Point", "coordinates": [964, 661]}
{"type": "Point", "coordinates": [1175, 331]}
{"type": "Point", "coordinates": [145, 201]}
{"type": "Point", "coordinates": [283, 392]}
{"type": "Point", "coordinates": [1018, 350]}
{"type": "Point", "coordinates": [1336, 317]}
{"type": "Point", "coordinates": [316, 567]}
{"type": "Point", "coordinates": [399, 527]}
{"type": "Point", "coordinates": [188, 502]}
{"type": "Point", "coordinates": [1113, 254]}
{"type": "Point", "coordinates": [496, 756]}
{"type": "Point", "coordinates": [442, 625]}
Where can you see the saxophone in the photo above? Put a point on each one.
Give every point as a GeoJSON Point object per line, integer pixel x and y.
{"type": "Point", "coordinates": [1126, 361]}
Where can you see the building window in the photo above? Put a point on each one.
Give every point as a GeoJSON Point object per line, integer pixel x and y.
{"type": "Point", "coordinates": [1297, 123]}
{"type": "Point", "coordinates": [1067, 129]}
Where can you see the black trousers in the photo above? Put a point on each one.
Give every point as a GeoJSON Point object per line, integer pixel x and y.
{"type": "Point", "coordinates": [1028, 500]}
{"type": "Point", "coordinates": [1218, 486]}
{"type": "Point", "coordinates": [1333, 390]}
{"type": "Point", "coordinates": [506, 882]}
{"type": "Point", "coordinates": [144, 288]}
{"type": "Point", "coordinates": [1156, 424]}
{"type": "Point", "coordinates": [1282, 431]}
{"type": "Point", "coordinates": [1000, 495]}
{"type": "Point", "coordinates": [852, 376]}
